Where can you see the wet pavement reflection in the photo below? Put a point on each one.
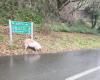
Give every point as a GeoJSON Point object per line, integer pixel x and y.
{"type": "Point", "coordinates": [49, 66]}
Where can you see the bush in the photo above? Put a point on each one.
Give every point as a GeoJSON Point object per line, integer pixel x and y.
{"type": "Point", "coordinates": [21, 15]}
{"type": "Point", "coordinates": [79, 27]}
{"type": "Point", "coordinates": [99, 29]}
{"type": "Point", "coordinates": [62, 27]}
{"type": "Point", "coordinates": [45, 29]}
{"type": "Point", "coordinates": [29, 15]}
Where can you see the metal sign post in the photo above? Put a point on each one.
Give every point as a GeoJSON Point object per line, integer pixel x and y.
{"type": "Point", "coordinates": [10, 34]}
{"type": "Point", "coordinates": [31, 30]}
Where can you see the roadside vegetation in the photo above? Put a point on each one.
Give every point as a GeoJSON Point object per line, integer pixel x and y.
{"type": "Point", "coordinates": [51, 43]}
{"type": "Point", "coordinates": [55, 25]}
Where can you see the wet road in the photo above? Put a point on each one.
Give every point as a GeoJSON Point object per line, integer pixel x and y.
{"type": "Point", "coordinates": [51, 66]}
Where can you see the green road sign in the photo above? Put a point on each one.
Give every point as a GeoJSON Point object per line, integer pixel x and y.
{"type": "Point", "coordinates": [21, 27]}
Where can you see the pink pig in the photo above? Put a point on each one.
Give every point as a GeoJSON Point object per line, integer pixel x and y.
{"type": "Point", "coordinates": [30, 43]}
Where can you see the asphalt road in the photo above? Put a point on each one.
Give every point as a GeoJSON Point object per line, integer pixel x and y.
{"type": "Point", "coordinates": [76, 65]}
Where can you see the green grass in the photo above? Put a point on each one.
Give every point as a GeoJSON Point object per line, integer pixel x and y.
{"type": "Point", "coordinates": [62, 37]}
{"type": "Point", "coordinates": [54, 42]}
{"type": "Point", "coordinates": [59, 27]}
{"type": "Point", "coordinates": [77, 27]}
{"type": "Point", "coordinates": [63, 41]}
{"type": "Point", "coordinates": [87, 43]}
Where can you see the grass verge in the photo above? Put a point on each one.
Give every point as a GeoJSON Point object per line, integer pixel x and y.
{"type": "Point", "coordinates": [52, 43]}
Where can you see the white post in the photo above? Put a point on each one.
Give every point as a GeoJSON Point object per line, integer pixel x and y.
{"type": "Point", "coordinates": [10, 33]}
{"type": "Point", "coordinates": [31, 30]}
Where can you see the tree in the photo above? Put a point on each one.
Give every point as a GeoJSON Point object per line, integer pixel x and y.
{"type": "Point", "coordinates": [93, 12]}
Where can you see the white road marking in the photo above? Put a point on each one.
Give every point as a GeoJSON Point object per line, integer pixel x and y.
{"type": "Point", "coordinates": [77, 76]}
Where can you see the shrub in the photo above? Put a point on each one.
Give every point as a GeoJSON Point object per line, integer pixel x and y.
{"type": "Point", "coordinates": [29, 15]}
{"type": "Point", "coordinates": [21, 15]}
{"type": "Point", "coordinates": [59, 27]}
{"type": "Point", "coordinates": [81, 27]}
